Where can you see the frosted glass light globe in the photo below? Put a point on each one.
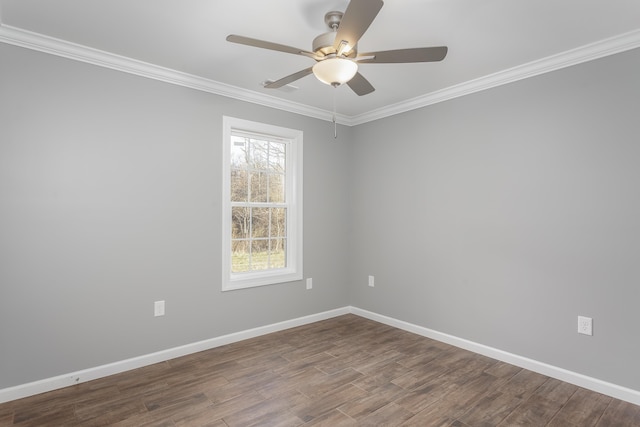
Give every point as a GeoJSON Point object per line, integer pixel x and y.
{"type": "Point", "coordinates": [335, 71]}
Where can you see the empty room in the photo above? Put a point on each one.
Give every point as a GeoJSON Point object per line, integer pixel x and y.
{"type": "Point", "coordinates": [319, 212]}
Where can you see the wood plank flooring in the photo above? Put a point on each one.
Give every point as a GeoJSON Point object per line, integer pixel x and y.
{"type": "Point", "coordinates": [345, 371]}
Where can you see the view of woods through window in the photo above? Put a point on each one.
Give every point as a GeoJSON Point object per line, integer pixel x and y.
{"type": "Point", "coordinates": [258, 203]}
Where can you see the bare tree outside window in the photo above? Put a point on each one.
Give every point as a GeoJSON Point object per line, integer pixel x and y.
{"type": "Point", "coordinates": [258, 209]}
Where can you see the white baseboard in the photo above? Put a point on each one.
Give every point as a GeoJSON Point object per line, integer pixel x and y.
{"type": "Point", "coordinates": [594, 384]}
{"type": "Point", "coordinates": [54, 383]}
{"type": "Point", "coordinates": [49, 384]}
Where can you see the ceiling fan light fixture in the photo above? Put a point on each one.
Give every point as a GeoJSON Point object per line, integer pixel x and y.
{"type": "Point", "coordinates": [344, 49]}
{"type": "Point", "coordinates": [335, 71]}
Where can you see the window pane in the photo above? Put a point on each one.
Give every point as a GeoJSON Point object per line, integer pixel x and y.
{"type": "Point", "coordinates": [239, 256]}
{"type": "Point", "coordinates": [277, 152]}
{"type": "Point", "coordinates": [276, 188]}
{"type": "Point", "coordinates": [259, 156]}
{"type": "Point", "coordinates": [278, 222]}
{"type": "Point", "coordinates": [278, 257]}
{"type": "Point", "coordinates": [260, 223]}
{"type": "Point", "coordinates": [258, 187]}
{"type": "Point", "coordinates": [240, 221]}
{"type": "Point", "coordinates": [239, 186]}
{"type": "Point", "coordinates": [239, 152]}
{"type": "Point", "coordinates": [259, 254]}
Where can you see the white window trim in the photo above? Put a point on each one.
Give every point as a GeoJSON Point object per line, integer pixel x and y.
{"type": "Point", "coordinates": [293, 271]}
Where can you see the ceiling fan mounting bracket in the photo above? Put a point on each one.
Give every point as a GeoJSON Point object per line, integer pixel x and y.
{"type": "Point", "coordinates": [332, 19]}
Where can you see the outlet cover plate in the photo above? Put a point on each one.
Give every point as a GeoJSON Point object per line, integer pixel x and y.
{"type": "Point", "coordinates": [585, 325]}
{"type": "Point", "coordinates": [158, 308]}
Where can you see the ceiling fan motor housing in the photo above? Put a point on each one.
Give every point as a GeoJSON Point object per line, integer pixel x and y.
{"type": "Point", "coordinates": [323, 45]}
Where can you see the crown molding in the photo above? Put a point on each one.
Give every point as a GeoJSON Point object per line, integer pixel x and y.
{"type": "Point", "coordinates": [576, 56]}
{"type": "Point", "coordinates": [39, 42]}
{"type": "Point", "coordinates": [46, 44]}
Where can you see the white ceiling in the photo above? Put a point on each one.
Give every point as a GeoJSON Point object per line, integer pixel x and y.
{"type": "Point", "coordinates": [485, 38]}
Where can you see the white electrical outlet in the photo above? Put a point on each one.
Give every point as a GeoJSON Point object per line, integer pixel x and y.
{"type": "Point", "coordinates": [158, 308]}
{"type": "Point", "coordinates": [309, 283]}
{"type": "Point", "coordinates": [585, 325]}
{"type": "Point", "coordinates": [371, 281]}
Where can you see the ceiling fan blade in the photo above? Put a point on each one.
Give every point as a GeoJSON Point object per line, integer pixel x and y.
{"type": "Point", "coordinates": [418, 54]}
{"type": "Point", "coordinates": [360, 85]}
{"type": "Point", "coordinates": [355, 21]}
{"type": "Point", "coordinates": [268, 45]}
{"type": "Point", "coordinates": [290, 78]}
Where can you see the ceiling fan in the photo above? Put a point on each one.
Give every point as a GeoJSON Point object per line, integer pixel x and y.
{"type": "Point", "coordinates": [336, 52]}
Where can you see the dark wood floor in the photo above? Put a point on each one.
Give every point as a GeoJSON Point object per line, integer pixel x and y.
{"type": "Point", "coordinates": [343, 371]}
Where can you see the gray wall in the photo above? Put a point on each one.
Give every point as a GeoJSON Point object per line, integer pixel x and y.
{"type": "Point", "coordinates": [501, 216]}
{"type": "Point", "coordinates": [110, 189]}
{"type": "Point", "coordinates": [498, 217]}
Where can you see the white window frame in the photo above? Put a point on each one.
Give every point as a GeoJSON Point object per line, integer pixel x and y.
{"type": "Point", "coordinates": [293, 269]}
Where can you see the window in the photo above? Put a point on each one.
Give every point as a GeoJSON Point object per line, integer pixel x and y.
{"type": "Point", "coordinates": [262, 204]}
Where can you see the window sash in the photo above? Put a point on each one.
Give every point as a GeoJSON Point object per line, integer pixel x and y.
{"type": "Point", "coordinates": [292, 204]}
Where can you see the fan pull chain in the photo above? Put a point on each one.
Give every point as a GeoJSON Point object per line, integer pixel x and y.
{"type": "Point", "coordinates": [335, 125]}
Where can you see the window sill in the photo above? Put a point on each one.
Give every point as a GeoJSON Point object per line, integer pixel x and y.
{"type": "Point", "coordinates": [252, 280]}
